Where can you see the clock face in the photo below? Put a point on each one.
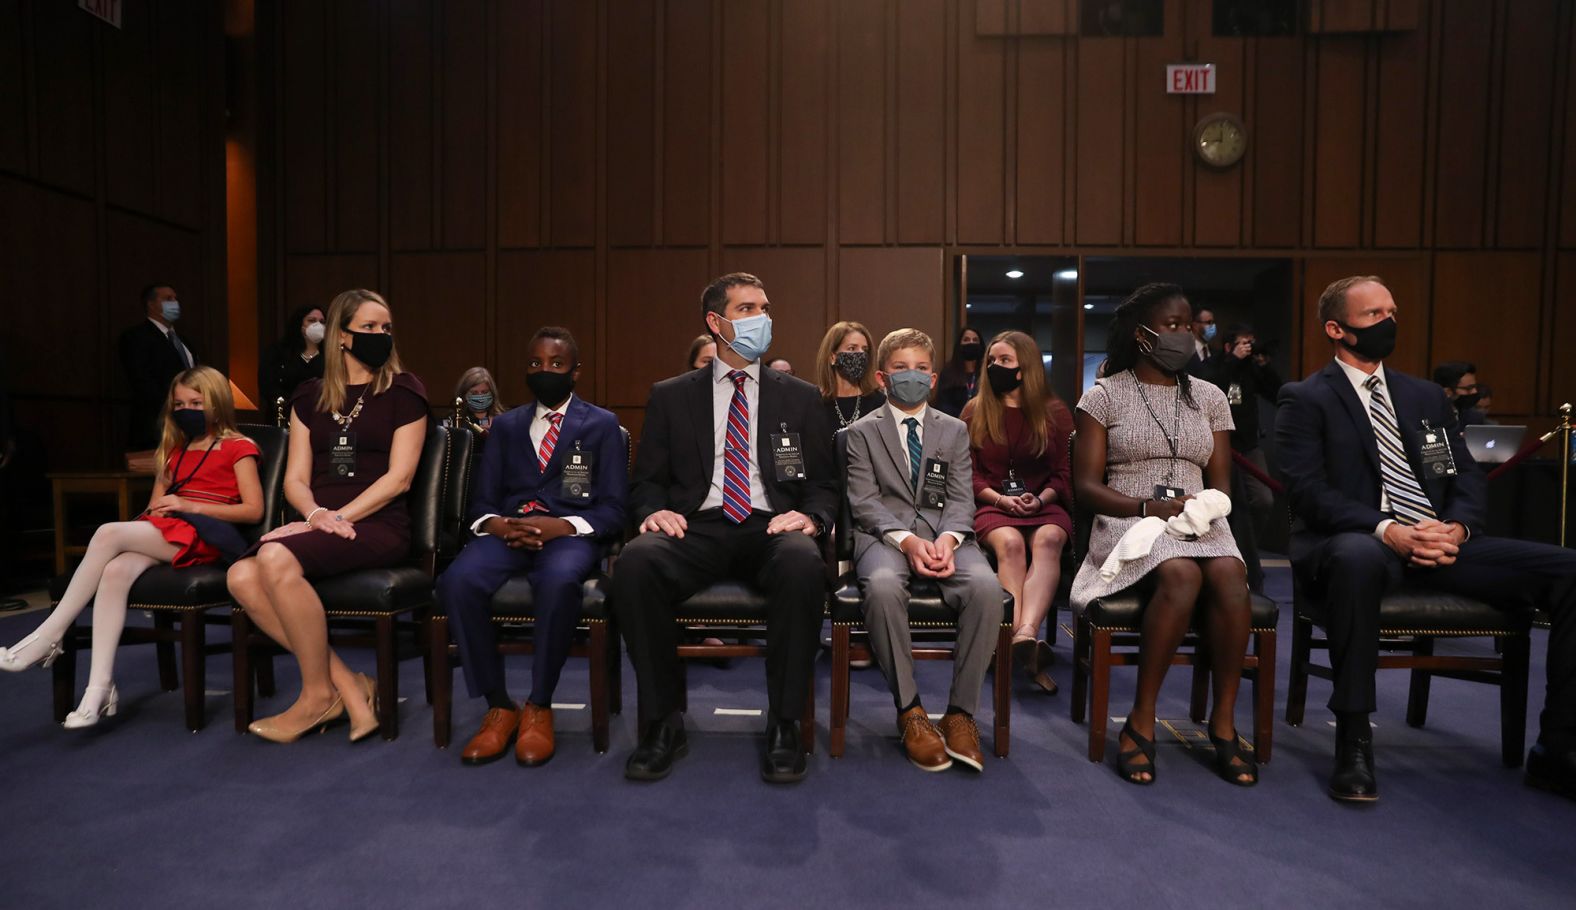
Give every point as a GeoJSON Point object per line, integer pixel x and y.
{"type": "Point", "coordinates": [1220, 140]}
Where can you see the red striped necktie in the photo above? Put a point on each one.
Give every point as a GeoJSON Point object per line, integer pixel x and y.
{"type": "Point", "coordinates": [736, 454]}
{"type": "Point", "coordinates": [549, 442]}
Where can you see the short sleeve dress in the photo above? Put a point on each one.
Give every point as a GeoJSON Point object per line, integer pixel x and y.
{"type": "Point", "coordinates": [1137, 458]}
{"type": "Point", "coordinates": [1038, 471]}
{"type": "Point", "coordinates": [206, 476]}
{"type": "Point", "coordinates": [382, 538]}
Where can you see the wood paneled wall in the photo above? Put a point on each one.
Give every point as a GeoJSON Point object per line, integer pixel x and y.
{"type": "Point", "coordinates": [499, 164]}
{"type": "Point", "coordinates": [111, 177]}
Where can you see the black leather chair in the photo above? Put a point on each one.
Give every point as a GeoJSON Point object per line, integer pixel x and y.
{"type": "Point", "coordinates": [930, 620]}
{"type": "Point", "coordinates": [382, 596]}
{"type": "Point", "coordinates": [514, 609]}
{"type": "Point", "coordinates": [1410, 621]}
{"type": "Point", "coordinates": [1106, 635]}
{"type": "Point", "coordinates": [181, 601]}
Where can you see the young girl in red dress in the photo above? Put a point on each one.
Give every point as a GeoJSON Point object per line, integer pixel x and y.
{"type": "Point", "coordinates": [205, 468]}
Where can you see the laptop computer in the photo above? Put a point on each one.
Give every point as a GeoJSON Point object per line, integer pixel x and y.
{"type": "Point", "coordinates": [1493, 444]}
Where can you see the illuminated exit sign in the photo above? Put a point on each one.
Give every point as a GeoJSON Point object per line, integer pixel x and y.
{"type": "Point", "coordinates": [1190, 79]}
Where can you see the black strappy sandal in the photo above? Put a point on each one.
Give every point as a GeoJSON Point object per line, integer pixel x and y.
{"type": "Point", "coordinates": [1124, 761]}
{"type": "Point", "coordinates": [1227, 754]}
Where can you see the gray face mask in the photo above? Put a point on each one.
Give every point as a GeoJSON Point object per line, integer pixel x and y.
{"type": "Point", "coordinates": [1170, 351]}
{"type": "Point", "coordinates": [909, 387]}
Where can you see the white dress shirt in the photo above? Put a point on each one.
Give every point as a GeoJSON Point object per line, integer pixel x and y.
{"type": "Point", "coordinates": [896, 538]}
{"type": "Point", "coordinates": [185, 352]}
{"type": "Point", "coordinates": [539, 426]}
{"type": "Point", "coordinates": [721, 400]}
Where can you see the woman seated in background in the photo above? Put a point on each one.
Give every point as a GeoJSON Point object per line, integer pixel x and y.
{"type": "Point", "coordinates": [481, 403]}
{"type": "Point", "coordinates": [1149, 440]}
{"type": "Point", "coordinates": [293, 359]}
{"type": "Point", "coordinates": [1018, 432]}
{"type": "Point", "coordinates": [843, 373]}
{"type": "Point", "coordinates": [959, 379]}
{"type": "Point", "coordinates": [205, 482]}
{"type": "Point", "coordinates": [355, 438]}
{"type": "Point", "coordinates": [702, 351]}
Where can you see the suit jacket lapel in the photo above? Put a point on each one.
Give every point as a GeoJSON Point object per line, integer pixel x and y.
{"type": "Point", "coordinates": [893, 436]}
{"type": "Point", "coordinates": [766, 423]}
{"type": "Point", "coordinates": [1408, 420]}
{"type": "Point", "coordinates": [1336, 377]}
{"type": "Point", "coordinates": [705, 429]}
{"type": "Point", "coordinates": [574, 415]}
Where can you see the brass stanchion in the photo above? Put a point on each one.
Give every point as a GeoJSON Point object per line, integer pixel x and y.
{"type": "Point", "coordinates": [1563, 430]}
{"type": "Point", "coordinates": [459, 409]}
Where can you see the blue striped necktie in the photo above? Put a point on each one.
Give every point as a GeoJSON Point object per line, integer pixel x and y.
{"type": "Point", "coordinates": [915, 450]}
{"type": "Point", "coordinates": [1408, 502]}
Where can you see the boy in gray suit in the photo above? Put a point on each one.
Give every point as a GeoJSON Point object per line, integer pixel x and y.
{"type": "Point", "coordinates": [910, 489]}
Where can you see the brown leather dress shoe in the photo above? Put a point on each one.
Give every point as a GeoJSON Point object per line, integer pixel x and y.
{"type": "Point", "coordinates": [534, 746]}
{"type": "Point", "coordinates": [492, 740]}
{"type": "Point", "coordinates": [962, 740]}
{"type": "Point", "coordinates": [923, 744]}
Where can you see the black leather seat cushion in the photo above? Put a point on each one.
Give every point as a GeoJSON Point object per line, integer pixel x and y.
{"type": "Point", "coordinates": [515, 600]}
{"type": "Point", "coordinates": [395, 590]}
{"type": "Point", "coordinates": [1412, 610]}
{"type": "Point", "coordinates": [723, 601]}
{"type": "Point", "coordinates": [1125, 610]}
{"type": "Point", "coordinates": [167, 587]}
{"type": "Point", "coordinates": [924, 603]}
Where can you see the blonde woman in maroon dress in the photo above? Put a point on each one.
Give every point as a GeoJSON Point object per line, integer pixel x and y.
{"type": "Point", "coordinates": [355, 439]}
{"type": "Point", "coordinates": [1018, 432]}
{"type": "Point", "coordinates": [206, 477]}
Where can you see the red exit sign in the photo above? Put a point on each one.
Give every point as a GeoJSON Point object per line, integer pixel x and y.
{"type": "Point", "coordinates": [1190, 79]}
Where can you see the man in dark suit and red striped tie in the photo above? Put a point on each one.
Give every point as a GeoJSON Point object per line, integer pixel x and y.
{"type": "Point", "coordinates": [717, 496]}
{"type": "Point", "coordinates": [1384, 490]}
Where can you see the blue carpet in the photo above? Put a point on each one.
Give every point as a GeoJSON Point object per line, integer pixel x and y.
{"type": "Point", "coordinates": [140, 812]}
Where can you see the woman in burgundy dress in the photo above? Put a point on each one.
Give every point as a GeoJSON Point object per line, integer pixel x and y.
{"type": "Point", "coordinates": [355, 438]}
{"type": "Point", "coordinates": [206, 478]}
{"type": "Point", "coordinates": [1018, 432]}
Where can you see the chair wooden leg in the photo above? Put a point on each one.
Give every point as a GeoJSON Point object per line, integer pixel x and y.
{"type": "Point", "coordinates": [615, 669]}
{"type": "Point", "coordinates": [683, 687]}
{"type": "Point", "coordinates": [241, 658]}
{"type": "Point", "coordinates": [1513, 699]}
{"type": "Point", "coordinates": [440, 681]}
{"type": "Point", "coordinates": [424, 639]}
{"type": "Point", "coordinates": [1198, 703]}
{"type": "Point", "coordinates": [807, 722]}
{"type": "Point", "coordinates": [1417, 696]}
{"type": "Point", "coordinates": [838, 728]}
{"type": "Point", "coordinates": [1297, 683]}
{"type": "Point", "coordinates": [597, 660]}
{"type": "Point", "coordinates": [1099, 691]}
{"type": "Point", "coordinates": [194, 667]}
{"type": "Point", "coordinates": [1080, 695]}
{"type": "Point", "coordinates": [169, 679]}
{"type": "Point", "coordinates": [63, 675]}
{"type": "Point", "coordinates": [388, 678]}
{"type": "Point", "coordinates": [1264, 696]}
{"type": "Point", "coordinates": [1003, 690]}
{"type": "Point", "coordinates": [265, 676]}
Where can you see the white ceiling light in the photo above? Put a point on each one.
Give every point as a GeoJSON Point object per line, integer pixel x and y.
{"type": "Point", "coordinates": [1015, 273]}
{"type": "Point", "coordinates": [1068, 274]}
{"type": "Point", "coordinates": [1088, 306]}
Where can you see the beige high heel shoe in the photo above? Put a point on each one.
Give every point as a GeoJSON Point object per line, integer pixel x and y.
{"type": "Point", "coordinates": [12, 664]}
{"type": "Point", "coordinates": [269, 728]}
{"type": "Point", "coordinates": [370, 689]}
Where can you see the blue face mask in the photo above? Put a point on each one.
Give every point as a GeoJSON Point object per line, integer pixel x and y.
{"type": "Point", "coordinates": [1209, 332]}
{"type": "Point", "coordinates": [479, 402]}
{"type": "Point", "coordinates": [752, 336]}
{"type": "Point", "coordinates": [170, 310]}
{"type": "Point", "coordinates": [909, 388]}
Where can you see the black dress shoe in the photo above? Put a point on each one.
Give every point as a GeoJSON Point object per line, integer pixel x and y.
{"type": "Point", "coordinates": [784, 761]}
{"type": "Point", "coordinates": [663, 744]}
{"type": "Point", "coordinates": [1552, 771]}
{"type": "Point", "coordinates": [1353, 778]}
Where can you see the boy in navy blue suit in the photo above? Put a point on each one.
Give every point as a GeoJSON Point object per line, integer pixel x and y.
{"type": "Point", "coordinates": [549, 496]}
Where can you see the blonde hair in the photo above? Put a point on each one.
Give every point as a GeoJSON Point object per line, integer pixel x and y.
{"type": "Point", "coordinates": [217, 404]}
{"type": "Point", "coordinates": [477, 376]}
{"type": "Point", "coordinates": [826, 370]}
{"type": "Point", "coordinates": [340, 312]}
{"type": "Point", "coordinates": [898, 339]}
{"type": "Point", "coordinates": [988, 420]}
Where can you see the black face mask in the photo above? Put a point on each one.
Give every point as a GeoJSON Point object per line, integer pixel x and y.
{"type": "Point", "coordinates": [1003, 379]}
{"type": "Point", "coordinates": [550, 388]}
{"type": "Point", "coordinates": [373, 349]}
{"type": "Point", "coordinates": [970, 350]}
{"type": "Point", "coordinates": [192, 422]}
{"type": "Point", "coordinates": [852, 364]}
{"type": "Point", "coordinates": [1373, 343]}
{"type": "Point", "coordinates": [1464, 402]}
{"type": "Point", "coordinates": [1170, 351]}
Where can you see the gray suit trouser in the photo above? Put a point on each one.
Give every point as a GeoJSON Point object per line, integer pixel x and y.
{"type": "Point", "coordinates": [971, 592]}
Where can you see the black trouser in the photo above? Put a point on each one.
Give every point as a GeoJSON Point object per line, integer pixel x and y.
{"type": "Point", "coordinates": [1351, 572]}
{"type": "Point", "coordinates": [655, 573]}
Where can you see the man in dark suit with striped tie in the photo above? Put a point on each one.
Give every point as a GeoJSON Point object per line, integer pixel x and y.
{"type": "Point", "coordinates": [717, 496]}
{"type": "Point", "coordinates": [1383, 489]}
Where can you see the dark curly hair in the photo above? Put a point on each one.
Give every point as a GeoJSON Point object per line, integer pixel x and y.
{"type": "Point", "coordinates": [1139, 307]}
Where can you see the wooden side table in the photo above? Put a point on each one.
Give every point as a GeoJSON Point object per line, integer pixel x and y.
{"type": "Point", "coordinates": [119, 484]}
